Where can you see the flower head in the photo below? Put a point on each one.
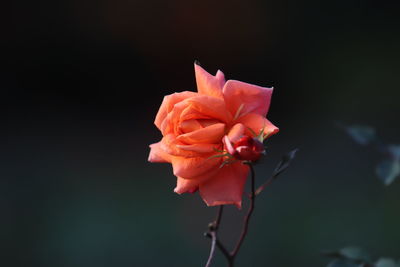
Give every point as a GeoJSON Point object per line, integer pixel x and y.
{"type": "Point", "coordinates": [194, 127]}
{"type": "Point", "coordinates": [247, 148]}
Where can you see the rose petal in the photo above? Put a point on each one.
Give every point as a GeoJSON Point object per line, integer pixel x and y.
{"type": "Point", "coordinates": [207, 122]}
{"type": "Point", "coordinates": [209, 107]}
{"type": "Point", "coordinates": [209, 135]}
{"type": "Point", "coordinates": [256, 123]}
{"type": "Point", "coordinates": [221, 78]}
{"type": "Point", "coordinates": [185, 185]}
{"type": "Point", "coordinates": [226, 187]}
{"type": "Point", "coordinates": [189, 113]}
{"type": "Point", "coordinates": [190, 126]}
{"type": "Point", "coordinates": [170, 145]}
{"type": "Point", "coordinates": [200, 148]}
{"type": "Point", "coordinates": [247, 153]}
{"type": "Point", "coordinates": [157, 154]}
{"type": "Point", "coordinates": [236, 132]}
{"type": "Point", "coordinates": [168, 103]}
{"type": "Point", "coordinates": [255, 99]}
{"type": "Point", "coordinates": [195, 167]}
{"type": "Point", "coordinates": [172, 122]}
{"type": "Point", "coordinates": [208, 84]}
{"type": "Point", "coordinates": [189, 185]}
{"type": "Point", "coordinates": [228, 145]}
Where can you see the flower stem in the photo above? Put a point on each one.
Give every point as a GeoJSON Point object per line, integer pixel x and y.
{"type": "Point", "coordinates": [248, 216]}
{"type": "Point", "coordinates": [213, 229]}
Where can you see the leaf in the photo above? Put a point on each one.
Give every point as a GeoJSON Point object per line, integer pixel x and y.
{"type": "Point", "coordinates": [260, 136]}
{"type": "Point", "coordinates": [252, 132]}
{"type": "Point", "coordinates": [354, 253]}
{"type": "Point", "coordinates": [388, 170]}
{"type": "Point", "coordinates": [386, 262]}
{"type": "Point", "coordinates": [394, 151]}
{"type": "Point", "coordinates": [218, 150]}
{"type": "Point", "coordinates": [238, 112]}
{"type": "Point", "coordinates": [362, 134]}
{"type": "Point", "coordinates": [343, 263]}
{"type": "Point", "coordinates": [226, 162]}
{"type": "Point", "coordinates": [285, 162]}
{"type": "Point", "coordinates": [219, 156]}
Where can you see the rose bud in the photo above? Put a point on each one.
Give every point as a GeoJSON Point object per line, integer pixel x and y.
{"type": "Point", "coordinates": [246, 148]}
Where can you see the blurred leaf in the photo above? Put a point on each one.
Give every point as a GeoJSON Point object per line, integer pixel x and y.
{"type": "Point", "coordinates": [386, 262]}
{"type": "Point", "coordinates": [354, 253]}
{"type": "Point", "coordinates": [349, 253]}
{"type": "Point", "coordinates": [388, 170]}
{"type": "Point", "coordinates": [356, 257]}
{"type": "Point", "coordinates": [343, 263]}
{"type": "Point", "coordinates": [394, 150]}
{"type": "Point", "coordinates": [362, 134]}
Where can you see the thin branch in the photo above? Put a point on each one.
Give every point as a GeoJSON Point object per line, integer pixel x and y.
{"type": "Point", "coordinates": [220, 246]}
{"type": "Point", "coordinates": [281, 167]}
{"type": "Point", "coordinates": [213, 229]}
{"type": "Point", "coordinates": [219, 216]}
{"type": "Point", "coordinates": [212, 251]}
{"type": "Point", "coordinates": [264, 185]}
{"type": "Point", "coordinates": [247, 218]}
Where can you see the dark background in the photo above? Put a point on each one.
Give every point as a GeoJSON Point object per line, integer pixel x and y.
{"type": "Point", "coordinates": [81, 82]}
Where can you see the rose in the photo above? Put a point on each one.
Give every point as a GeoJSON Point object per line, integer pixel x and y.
{"type": "Point", "coordinates": [246, 148]}
{"type": "Point", "coordinates": [193, 126]}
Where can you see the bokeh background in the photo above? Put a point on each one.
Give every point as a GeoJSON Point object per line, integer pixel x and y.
{"type": "Point", "coordinates": [81, 82]}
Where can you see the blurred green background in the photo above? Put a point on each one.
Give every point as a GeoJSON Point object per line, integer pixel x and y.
{"type": "Point", "coordinates": [81, 82]}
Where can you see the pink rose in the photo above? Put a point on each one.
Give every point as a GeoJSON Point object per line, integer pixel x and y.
{"type": "Point", "coordinates": [194, 125]}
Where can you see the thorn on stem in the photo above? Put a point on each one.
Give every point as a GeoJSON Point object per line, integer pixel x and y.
{"type": "Point", "coordinates": [212, 226]}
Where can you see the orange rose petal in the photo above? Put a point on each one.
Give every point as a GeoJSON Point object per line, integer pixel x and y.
{"type": "Point", "coordinates": [207, 122]}
{"type": "Point", "coordinates": [185, 185]}
{"type": "Point", "coordinates": [256, 123]}
{"type": "Point", "coordinates": [157, 154]}
{"type": "Point", "coordinates": [236, 132]}
{"type": "Point", "coordinates": [170, 145]}
{"type": "Point", "coordinates": [192, 114]}
{"type": "Point", "coordinates": [171, 123]}
{"type": "Point", "coordinates": [210, 107]}
{"type": "Point", "coordinates": [226, 187]}
{"type": "Point", "coordinates": [199, 148]}
{"type": "Point", "coordinates": [255, 99]}
{"type": "Point", "coordinates": [209, 135]}
{"type": "Point", "coordinates": [208, 84]}
{"type": "Point", "coordinates": [168, 103]}
{"type": "Point", "coordinates": [195, 167]}
{"type": "Point", "coordinates": [189, 185]}
{"type": "Point", "coordinates": [190, 126]}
